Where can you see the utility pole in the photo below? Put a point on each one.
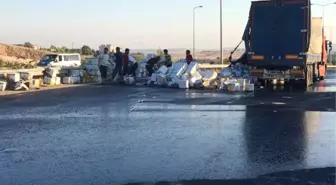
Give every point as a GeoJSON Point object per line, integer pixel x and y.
{"type": "Point", "coordinates": [221, 35]}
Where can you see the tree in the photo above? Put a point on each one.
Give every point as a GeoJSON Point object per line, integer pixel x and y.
{"type": "Point", "coordinates": [86, 50]}
{"type": "Point", "coordinates": [138, 56]}
{"type": "Point", "coordinates": [53, 48]}
{"type": "Point", "coordinates": [28, 45]}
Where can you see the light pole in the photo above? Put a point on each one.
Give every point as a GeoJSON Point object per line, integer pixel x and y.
{"type": "Point", "coordinates": [221, 34]}
{"type": "Point", "coordinates": [194, 10]}
{"type": "Point", "coordinates": [323, 6]}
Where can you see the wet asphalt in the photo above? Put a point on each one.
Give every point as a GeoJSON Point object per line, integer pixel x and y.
{"type": "Point", "coordinates": [95, 135]}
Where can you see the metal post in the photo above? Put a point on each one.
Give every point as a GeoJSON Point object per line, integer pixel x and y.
{"type": "Point", "coordinates": [221, 35]}
{"type": "Point", "coordinates": [194, 29]}
{"type": "Point", "coordinates": [323, 16]}
{"type": "Point", "coordinates": [330, 39]}
{"type": "Point", "coordinates": [194, 33]}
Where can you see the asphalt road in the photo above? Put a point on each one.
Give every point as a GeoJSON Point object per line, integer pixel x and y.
{"type": "Point", "coordinates": [95, 135]}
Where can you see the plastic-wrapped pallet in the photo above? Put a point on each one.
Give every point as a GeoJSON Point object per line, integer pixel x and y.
{"type": "Point", "coordinates": [110, 68]}
{"type": "Point", "coordinates": [131, 59]}
{"type": "Point", "coordinates": [182, 71]}
{"type": "Point", "coordinates": [46, 80]}
{"type": "Point", "coordinates": [153, 77]}
{"type": "Point", "coordinates": [161, 79]}
{"type": "Point", "coordinates": [183, 84]}
{"type": "Point", "coordinates": [57, 81]}
{"type": "Point", "coordinates": [14, 77]}
{"type": "Point", "coordinates": [52, 72]}
{"type": "Point", "coordinates": [175, 68]}
{"type": "Point", "coordinates": [141, 71]}
{"type": "Point", "coordinates": [249, 87]}
{"type": "Point", "coordinates": [192, 68]}
{"type": "Point", "coordinates": [3, 76]}
{"type": "Point", "coordinates": [233, 87]}
{"type": "Point", "coordinates": [162, 70]}
{"type": "Point", "coordinates": [243, 82]}
{"type": "Point", "coordinates": [129, 80]}
{"type": "Point", "coordinates": [52, 81]}
{"type": "Point", "coordinates": [226, 72]}
{"type": "Point", "coordinates": [24, 76]}
{"type": "Point", "coordinates": [208, 77]}
{"type": "Point", "coordinates": [35, 84]}
{"type": "Point", "coordinates": [91, 67]}
{"type": "Point", "coordinates": [71, 80]}
{"type": "Point", "coordinates": [76, 73]}
{"type": "Point", "coordinates": [98, 79]}
{"type": "Point", "coordinates": [3, 86]}
{"type": "Point", "coordinates": [92, 61]}
{"type": "Point", "coordinates": [20, 86]}
{"type": "Point", "coordinates": [196, 80]}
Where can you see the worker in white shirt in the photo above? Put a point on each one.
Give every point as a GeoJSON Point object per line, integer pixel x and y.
{"type": "Point", "coordinates": [132, 66]}
{"type": "Point", "coordinates": [103, 64]}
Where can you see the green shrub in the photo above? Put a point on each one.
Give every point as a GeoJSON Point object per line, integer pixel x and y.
{"type": "Point", "coordinates": [13, 65]}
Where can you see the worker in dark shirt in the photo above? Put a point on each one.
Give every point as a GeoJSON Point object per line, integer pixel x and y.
{"type": "Point", "coordinates": [150, 65]}
{"type": "Point", "coordinates": [167, 58]}
{"type": "Point", "coordinates": [125, 61]}
{"type": "Point", "coordinates": [189, 57]}
{"type": "Point", "coordinates": [118, 63]}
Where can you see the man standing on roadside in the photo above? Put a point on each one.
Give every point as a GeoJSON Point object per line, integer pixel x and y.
{"type": "Point", "coordinates": [104, 61]}
{"type": "Point", "coordinates": [119, 63]}
{"type": "Point", "coordinates": [189, 57]}
{"type": "Point", "coordinates": [125, 61]}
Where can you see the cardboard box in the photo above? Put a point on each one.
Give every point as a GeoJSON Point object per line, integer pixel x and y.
{"type": "Point", "coordinates": [35, 84]}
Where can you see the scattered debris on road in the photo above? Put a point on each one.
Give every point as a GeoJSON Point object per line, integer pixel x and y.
{"type": "Point", "coordinates": [234, 78]}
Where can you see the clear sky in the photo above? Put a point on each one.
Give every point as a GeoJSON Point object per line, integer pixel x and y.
{"type": "Point", "coordinates": [140, 24]}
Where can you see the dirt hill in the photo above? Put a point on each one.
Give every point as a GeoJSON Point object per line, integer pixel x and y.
{"type": "Point", "coordinates": [13, 53]}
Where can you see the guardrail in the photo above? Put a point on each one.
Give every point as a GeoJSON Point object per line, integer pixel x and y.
{"type": "Point", "coordinates": [40, 69]}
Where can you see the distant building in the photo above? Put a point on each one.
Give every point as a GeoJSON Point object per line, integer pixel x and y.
{"type": "Point", "coordinates": [111, 48]}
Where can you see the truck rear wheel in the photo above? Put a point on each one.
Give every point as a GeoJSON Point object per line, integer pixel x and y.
{"type": "Point", "coordinates": [309, 75]}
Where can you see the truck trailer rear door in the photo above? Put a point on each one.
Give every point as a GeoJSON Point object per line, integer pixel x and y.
{"type": "Point", "coordinates": [291, 31]}
{"type": "Point", "coordinates": [262, 27]}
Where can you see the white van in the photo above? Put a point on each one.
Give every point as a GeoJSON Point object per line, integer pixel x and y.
{"type": "Point", "coordinates": [60, 60]}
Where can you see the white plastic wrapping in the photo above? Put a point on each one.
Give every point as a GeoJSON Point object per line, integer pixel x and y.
{"type": "Point", "coordinates": [14, 77]}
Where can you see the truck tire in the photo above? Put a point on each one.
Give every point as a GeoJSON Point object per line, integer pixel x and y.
{"type": "Point", "coordinates": [316, 74]}
{"type": "Point", "coordinates": [309, 72]}
{"type": "Point", "coordinates": [309, 75]}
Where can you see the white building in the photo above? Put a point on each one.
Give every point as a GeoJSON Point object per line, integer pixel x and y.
{"type": "Point", "coordinates": [111, 48]}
